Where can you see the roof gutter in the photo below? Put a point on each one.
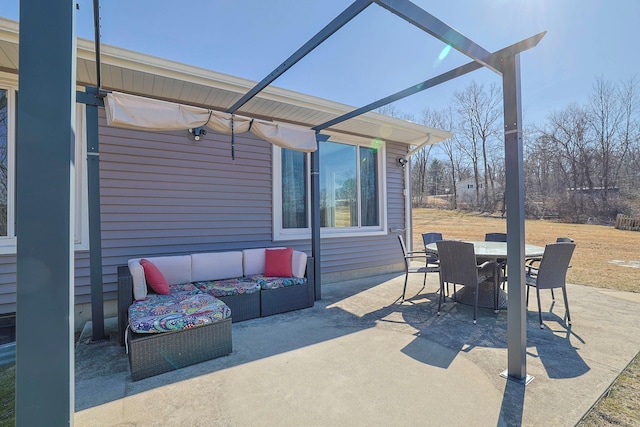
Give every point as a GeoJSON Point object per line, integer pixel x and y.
{"type": "Point", "coordinates": [418, 145]}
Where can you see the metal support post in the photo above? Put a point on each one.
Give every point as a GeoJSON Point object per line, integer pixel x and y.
{"type": "Point", "coordinates": [44, 215]}
{"type": "Point", "coordinates": [95, 230]}
{"type": "Point", "coordinates": [315, 214]}
{"type": "Point", "coordinates": [516, 309]}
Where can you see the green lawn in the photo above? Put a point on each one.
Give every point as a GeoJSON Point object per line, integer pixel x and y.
{"type": "Point", "coordinates": [7, 395]}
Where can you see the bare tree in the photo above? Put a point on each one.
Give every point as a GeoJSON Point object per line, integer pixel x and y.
{"type": "Point", "coordinates": [393, 111]}
{"type": "Point", "coordinates": [479, 111]}
{"type": "Point", "coordinates": [630, 133]}
{"type": "Point", "coordinates": [573, 159]}
{"type": "Point", "coordinates": [444, 119]}
{"type": "Point", "coordinates": [605, 119]}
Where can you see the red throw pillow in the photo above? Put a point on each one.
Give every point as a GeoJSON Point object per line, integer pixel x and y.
{"type": "Point", "coordinates": [277, 262]}
{"type": "Point", "coordinates": [154, 277]}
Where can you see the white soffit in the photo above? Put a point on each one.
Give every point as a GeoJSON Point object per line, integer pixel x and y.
{"type": "Point", "coordinates": [127, 71]}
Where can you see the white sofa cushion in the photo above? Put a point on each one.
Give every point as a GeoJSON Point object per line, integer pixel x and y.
{"type": "Point", "coordinates": [253, 261]}
{"type": "Point", "coordinates": [209, 266]}
{"type": "Point", "coordinates": [176, 269]}
{"type": "Point", "coordinates": [139, 283]}
{"type": "Point", "coordinates": [298, 264]}
{"type": "Point", "coordinates": [216, 266]}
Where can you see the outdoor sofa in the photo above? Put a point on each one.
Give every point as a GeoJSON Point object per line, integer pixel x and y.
{"type": "Point", "coordinates": [190, 322]}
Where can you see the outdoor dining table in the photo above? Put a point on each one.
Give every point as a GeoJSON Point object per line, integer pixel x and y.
{"type": "Point", "coordinates": [488, 251]}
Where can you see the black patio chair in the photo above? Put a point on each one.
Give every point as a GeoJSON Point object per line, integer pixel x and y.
{"type": "Point", "coordinates": [409, 269]}
{"type": "Point", "coordinates": [533, 261]}
{"type": "Point", "coordinates": [499, 237]}
{"type": "Point", "coordinates": [565, 240]}
{"type": "Point", "coordinates": [432, 257]}
{"type": "Point", "coordinates": [458, 266]}
{"type": "Point", "coordinates": [551, 273]}
{"type": "Point", "coordinates": [495, 237]}
{"type": "Point", "coordinates": [428, 238]}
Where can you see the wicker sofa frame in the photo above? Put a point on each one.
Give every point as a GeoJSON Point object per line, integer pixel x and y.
{"type": "Point", "coordinates": [153, 354]}
{"type": "Point", "coordinates": [281, 300]}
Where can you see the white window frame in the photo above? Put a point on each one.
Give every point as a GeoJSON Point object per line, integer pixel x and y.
{"type": "Point", "coordinates": [81, 213]}
{"type": "Point", "coordinates": [280, 233]}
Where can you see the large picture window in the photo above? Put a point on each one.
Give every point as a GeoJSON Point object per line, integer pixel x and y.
{"type": "Point", "coordinates": [8, 97]}
{"type": "Point", "coordinates": [294, 189]}
{"type": "Point", "coordinates": [351, 191]}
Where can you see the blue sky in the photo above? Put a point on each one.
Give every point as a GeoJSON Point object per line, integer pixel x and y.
{"type": "Point", "coordinates": [378, 53]}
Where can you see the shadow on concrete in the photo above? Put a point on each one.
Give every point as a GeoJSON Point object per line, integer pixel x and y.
{"type": "Point", "coordinates": [512, 408]}
{"type": "Point", "coordinates": [102, 373]}
{"type": "Point", "coordinates": [454, 330]}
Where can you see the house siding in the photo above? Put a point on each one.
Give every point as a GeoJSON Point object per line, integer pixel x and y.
{"type": "Point", "coordinates": [163, 193]}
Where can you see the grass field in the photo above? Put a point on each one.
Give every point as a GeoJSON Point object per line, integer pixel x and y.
{"type": "Point", "coordinates": [7, 396]}
{"type": "Point", "coordinates": [602, 256]}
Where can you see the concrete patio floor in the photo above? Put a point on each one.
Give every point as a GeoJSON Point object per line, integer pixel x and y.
{"type": "Point", "coordinates": [359, 359]}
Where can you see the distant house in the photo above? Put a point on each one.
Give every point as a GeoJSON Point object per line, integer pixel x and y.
{"type": "Point", "coordinates": [612, 192]}
{"type": "Point", "coordinates": [167, 193]}
{"type": "Point", "coordinates": [466, 190]}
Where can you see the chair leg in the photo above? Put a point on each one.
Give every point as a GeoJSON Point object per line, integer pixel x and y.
{"type": "Point", "coordinates": [566, 304]}
{"type": "Point", "coordinates": [539, 308]}
{"type": "Point", "coordinates": [441, 296]}
{"type": "Point", "coordinates": [496, 289]}
{"type": "Point", "coordinates": [404, 290]}
{"type": "Point", "coordinates": [553, 297]}
{"type": "Point", "coordinates": [527, 301]}
{"type": "Point", "coordinates": [475, 306]}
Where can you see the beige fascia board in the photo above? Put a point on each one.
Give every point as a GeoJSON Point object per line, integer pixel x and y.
{"type": "Point", "coordinates": [9, 30]}
{"type": "Point", "coordinates": [128, 59]}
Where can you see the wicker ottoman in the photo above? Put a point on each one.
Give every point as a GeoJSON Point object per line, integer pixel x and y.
{"type": "Point", "coordinates": [153, 354]}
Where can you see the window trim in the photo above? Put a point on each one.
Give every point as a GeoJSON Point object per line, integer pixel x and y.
{"type": "Point", "coordinates": [80, 214]}
{"type": "Point", "coordinates": [281, 234]}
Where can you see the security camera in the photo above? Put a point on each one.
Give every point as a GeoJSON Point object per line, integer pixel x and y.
{"type": "Point", "coordinates": [401, 161]}
{"type": "Point", "coordinates": [196, 133]}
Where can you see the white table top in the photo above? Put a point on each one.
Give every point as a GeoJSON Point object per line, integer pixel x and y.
{"type": "Point", "coordinates": [495, 250]}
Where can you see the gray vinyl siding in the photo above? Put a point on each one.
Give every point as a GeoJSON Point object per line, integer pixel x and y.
{"type": "Point", "coordinates": [163, 193]}
{"type": "Point", "coordinates": [7, 284]}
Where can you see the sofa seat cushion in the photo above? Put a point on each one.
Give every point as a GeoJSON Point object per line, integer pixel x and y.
{"type": "Point", "coordinates": [182, 310]}
{"type": "Point", "coordinates": [266, 282]}
{"type": "Point", "coordinates": [184, 287]}
{"type": "Point", "coordinates": [228, 287]}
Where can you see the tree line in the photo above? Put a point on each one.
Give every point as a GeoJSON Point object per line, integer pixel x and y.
{"type": "Point", "coordinates": [581, 164]}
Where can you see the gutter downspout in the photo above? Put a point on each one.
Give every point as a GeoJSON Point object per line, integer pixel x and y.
{"type": "Point", "coordinates": [408, 220]}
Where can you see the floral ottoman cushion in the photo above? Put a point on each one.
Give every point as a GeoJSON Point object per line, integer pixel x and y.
{"type": "Point", "coordinates": [277, 282]}
{"type": "Point", "coordinates": [182, 310]}
{"type": "Point", "coordinates": [228, 287]}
